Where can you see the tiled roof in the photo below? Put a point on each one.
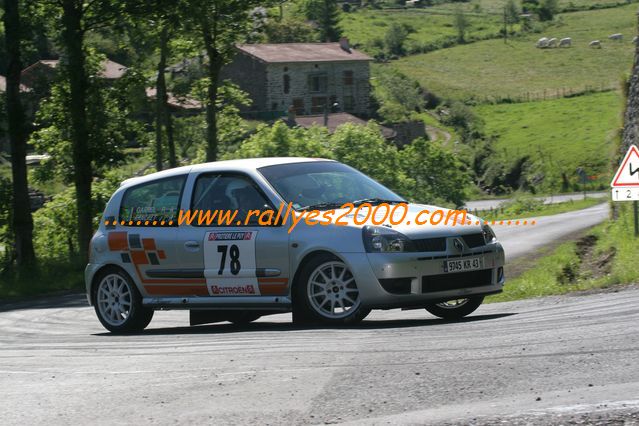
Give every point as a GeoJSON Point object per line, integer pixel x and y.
{"type": "Point", "coordinates": [183, 103]}
{"type": "Point", "coordinates": [110, 70]}
{"type": "Point", "coordinates": [302, 52]}
{"type": "Point", "coordinates": [337, 119]}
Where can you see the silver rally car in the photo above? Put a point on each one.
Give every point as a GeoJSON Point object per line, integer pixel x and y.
{"type": "Point", "coordinates": [146, 257]}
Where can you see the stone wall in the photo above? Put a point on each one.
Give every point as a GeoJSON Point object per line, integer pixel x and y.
{"type": "Point", "coordinates": [300, 88]}
{"type": "Point", "coordinates": [250, 75]}
{"type": "Point", "coordinates": [631, 119]}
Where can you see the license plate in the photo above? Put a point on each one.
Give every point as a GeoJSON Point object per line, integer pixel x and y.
{"type": "Point", "coordinates": [462, 265]}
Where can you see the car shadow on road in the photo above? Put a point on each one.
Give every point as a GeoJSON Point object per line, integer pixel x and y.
{"type": "Point", "coordinates": [261, 326]}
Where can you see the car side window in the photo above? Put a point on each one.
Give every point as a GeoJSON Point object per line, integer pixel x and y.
{"type": "Point", "coordinates": [153, 203]}
{"type": "Point", "coordinates": [228, 193]}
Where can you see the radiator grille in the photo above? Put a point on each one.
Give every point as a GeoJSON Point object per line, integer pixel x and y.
{"type": "Point", "coordinates": [430, 244]}
{"type": "Point", "coordinates": [474, 240]}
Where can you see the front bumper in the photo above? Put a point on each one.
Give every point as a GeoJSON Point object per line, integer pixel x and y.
{"type": "Point", "coordinates": [415, 274]}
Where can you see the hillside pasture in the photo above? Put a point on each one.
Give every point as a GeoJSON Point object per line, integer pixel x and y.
{"type": "Point", "coordinates": [492, 69]}
{"type": "Point", "coordinates": [557, 135]}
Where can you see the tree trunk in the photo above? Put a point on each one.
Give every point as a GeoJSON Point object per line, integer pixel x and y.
{"type": "Point", "coordinates": [73, 39]}
{"type": "Point", "coordinates": [215, 65]}
{"type": "Point", "coordinates": [160, 98]}
{"type": "Point", "coordinates": [631, 119]}
{"type": "Point", "coordinates": [163, 113]}
{"type": "Point", "coordinates": [21, 217]}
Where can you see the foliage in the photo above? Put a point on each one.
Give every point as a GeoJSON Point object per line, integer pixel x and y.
{"type": "Point", "coordinates": [289, 31]}
{"type": "Point", "coordinates": [547, 10]}
{"type": "Point", "coordinates": [110, 127]}
{"type": "Point", "coordinates": [395, 37]}
{"type": "Point", "coordinates": [55, 224]}
{"type": "Point", "coordinates": [326, 13]}
{"type": "Point", "coordinates": [462, 24]}
{"type": "Point", "coordinates": [462, 118]}
{"type": "Point", "coordinates": [436, 173]}
{"type": "Point", "coordinates": [511, 13]}
{"type": "Point", "coordinates": [6, 235]}
{"type": "Point", "coordinates": [398, 97]}
{"type": "Point", "coordinates": [423, 172]}
{"type": "Point", "coordinates": [557, 137]}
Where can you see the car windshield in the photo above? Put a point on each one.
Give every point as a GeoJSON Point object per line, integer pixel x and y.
{"type": "Point", "coordinates": [325, 185]}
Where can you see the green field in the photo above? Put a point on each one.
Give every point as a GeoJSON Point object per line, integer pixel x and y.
{"type": "Point", "coordinates": [559, 135]}
{"type": "Point", "coordinates": [496, 6]}
{"type": "Point", "coordinates": [492, 69]}
{"type": "Point", "coordinates": [366, 26]}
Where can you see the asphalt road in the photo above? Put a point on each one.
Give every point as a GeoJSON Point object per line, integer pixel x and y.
{"type": "Point", "coordinates": [569, 359]}
{"type": "Point", "coordinates": [541, 361]}
{"type": "Point", "coordinates": [519, 240]}
{"type": "Point", "coordinates": [491, 204]}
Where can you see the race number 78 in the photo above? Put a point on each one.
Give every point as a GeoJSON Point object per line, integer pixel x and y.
{"type": "Point", "coordinates": [234, 254]}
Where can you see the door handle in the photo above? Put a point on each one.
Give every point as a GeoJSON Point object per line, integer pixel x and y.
{"type": "Point", "coordinates": [192, 245]}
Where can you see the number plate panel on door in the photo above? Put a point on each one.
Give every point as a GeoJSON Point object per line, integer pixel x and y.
{"type": "Point", "coordinates": [229, 263]}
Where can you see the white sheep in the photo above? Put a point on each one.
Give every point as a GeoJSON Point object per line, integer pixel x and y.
{"type": "Point", "coordinates": [565, 42]}
{"type": "Point", "coordinates": [552, 42]}
{"type": "Point", "coordinates": [542, 42]}
{"type": "Point", "coordinates": [595, 43]}
{"type": "Point", "coordinates": [635, 39]}
{"type": "Point", "coordinates": [616, 37]}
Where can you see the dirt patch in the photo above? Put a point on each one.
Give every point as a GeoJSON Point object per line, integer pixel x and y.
{"type": "Point", "coordinates": [592, 263]}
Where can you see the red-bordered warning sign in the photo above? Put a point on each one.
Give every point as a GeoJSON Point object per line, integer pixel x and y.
{"type": "Point", "coordinates": [628, 172]}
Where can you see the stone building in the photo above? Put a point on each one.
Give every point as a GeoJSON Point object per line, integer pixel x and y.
{"type": "Point", "coordinates": [310, 77]}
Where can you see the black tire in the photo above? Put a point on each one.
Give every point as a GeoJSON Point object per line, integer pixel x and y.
{"type": "Point", "coordinates": [456, 312]}
{"type": "Point", "coordinates": [137, 317]}
{"type": "Point", "coordinates": [305, 311]}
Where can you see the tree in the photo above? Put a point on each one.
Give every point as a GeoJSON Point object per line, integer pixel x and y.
{"type": "Point", "coordinates": [511, 13]}
{"type": "Point", "coordinates": [220, 24]}
{"type": "Point", "coordinates": [398, 96]}
{"type": "Point", "coordinates": [77, 18]}
{"type": "Point", "coordinates": [461, 23]}
{"type": "Point", "coordinates": [326, 14]}
{"type": "Point", "coordinates": [437, 174]}
{"type": "Point", "coordinates": [289, 31]}
{"type": "Point", "coordinates": [547, 10]}
{"type": "Point", "coordinates": [395, 37]}
{"type": "Point", "coordinates": [22, 220]}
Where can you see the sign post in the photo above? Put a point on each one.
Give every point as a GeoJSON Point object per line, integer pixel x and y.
{"type": "Point", "coordinates": [625, 184]}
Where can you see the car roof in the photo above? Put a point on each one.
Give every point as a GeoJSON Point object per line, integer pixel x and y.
{"type": "Point", "coordinates": [243, 165]}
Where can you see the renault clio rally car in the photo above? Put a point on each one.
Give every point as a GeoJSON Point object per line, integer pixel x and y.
{"type": "Point", "coordinates": [142, 260]}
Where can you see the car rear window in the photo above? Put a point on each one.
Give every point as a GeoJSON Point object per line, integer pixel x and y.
{"type": "Point", "coordinates": [152, 203]}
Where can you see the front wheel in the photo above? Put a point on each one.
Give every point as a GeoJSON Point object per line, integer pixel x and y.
{"type": "Point", "coordinates": [118, 303]}
{"type": "Point", "coordinates": [327, 293]}
{"type": "Point", "coordinates": [455, 309]}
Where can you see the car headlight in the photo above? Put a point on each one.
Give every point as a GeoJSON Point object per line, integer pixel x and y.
{"type": "Point", "coordinates": [379, 239]}
{"type": "Point", "coordinates": [489, 235]}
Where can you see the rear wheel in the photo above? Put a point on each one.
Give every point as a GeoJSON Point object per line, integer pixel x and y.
{"type": "Point", "coordinates": [327, 293]}
{"type": "Point", "coordinates": [455, 309]}
{"type": "Point", "coordinates": [118, 303]}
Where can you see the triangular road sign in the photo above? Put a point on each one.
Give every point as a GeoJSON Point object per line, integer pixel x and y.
{"type": "Point", "coordinates": [628, 172]}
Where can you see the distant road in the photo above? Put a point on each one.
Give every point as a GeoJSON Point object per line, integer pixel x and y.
{"type": "Point", "coordinates": [521, 240]}
{"type": "Point", "coordinates": [491, 204]}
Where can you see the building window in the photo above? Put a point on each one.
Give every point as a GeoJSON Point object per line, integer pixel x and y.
{"type": "Point", "coordinates": [318, 104]}
{"type": "Point", "coordinates": [287, 83]}
{"type": "Point", "coordinates": [349, 103]}
{"type": "Point", "coordinates": [317, 83]}
{"type": "Point", "coordinates": [298, 106]}
{"type": "Point", "coordinates": [348, 78]}
{"type": "Point", "coordinates": [274, 106]}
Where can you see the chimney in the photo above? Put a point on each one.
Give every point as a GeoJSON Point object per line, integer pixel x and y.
{"type": "Point", "coordinates": [344, 44]}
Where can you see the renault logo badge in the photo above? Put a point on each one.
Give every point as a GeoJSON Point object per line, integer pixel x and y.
{"type": "Point", "coordinates": [458, 244]}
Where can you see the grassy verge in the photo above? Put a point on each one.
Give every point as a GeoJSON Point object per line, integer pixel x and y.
{"type": "Point", "coordinates": [490, 70]}
{"type": "Point", "coordinates": [605, 257]}
{"type": "Point", "coordinates": [528, 207]}
{"type": "Point", "coordinates": [49, 277]}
